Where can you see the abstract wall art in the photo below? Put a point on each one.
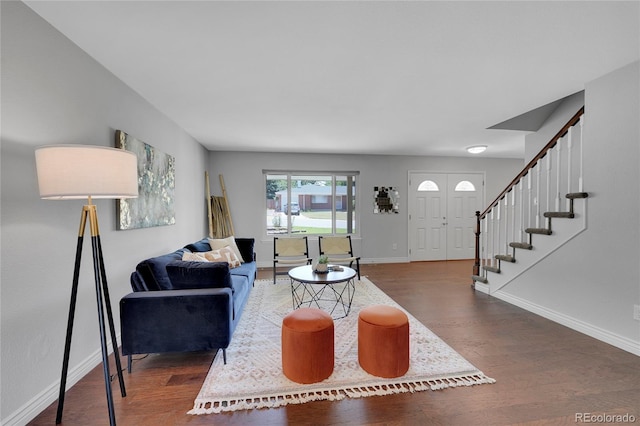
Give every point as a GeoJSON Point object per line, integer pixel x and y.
{"type": "Point", "coordinates": [385, 199]}
{"type": "Point", "coordinates": [156, 187]}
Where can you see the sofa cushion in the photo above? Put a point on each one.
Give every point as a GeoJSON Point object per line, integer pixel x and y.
{"type": "Point", "coordinates": [247, 269]}
{"type": "Point", "coordinates": [137, 283]}
{"type": "Point", "coordinates": [245, 246]}
{"type": "Point", "coordinates": [240, 285]}
{"type": "Point", "coordinates": [202, 245]}
{"type": "Point", "coordinates": [191, 275]}
{"type": "Point", "coordinates": [154, 271]}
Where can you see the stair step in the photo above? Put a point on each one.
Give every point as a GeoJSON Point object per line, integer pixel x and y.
{"type": "Point", "coordinates": [575, 195]}
{"type": "Point", "coordinates": [505, 258]}
{"type": "Point", "coordinates": [479, 279]}
{"type": "Point", "coordinates": [524, 246]}
{"type": "Point", "coordinates": [541, 231]}
{"type": "Point", "coordinates": [566, 215]}
{"type": "Point", "coordinates": [492, 269]}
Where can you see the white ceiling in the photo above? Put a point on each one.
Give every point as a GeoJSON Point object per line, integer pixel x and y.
{"type": "Point", "coordinates": [376, 77]}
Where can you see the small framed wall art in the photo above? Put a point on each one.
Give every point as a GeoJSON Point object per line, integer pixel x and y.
{"type": "Point", "coordinates": [385, 199]}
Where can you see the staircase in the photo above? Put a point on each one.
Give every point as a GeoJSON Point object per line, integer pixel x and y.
{"type": "Point", "coordinates": [539, 211]}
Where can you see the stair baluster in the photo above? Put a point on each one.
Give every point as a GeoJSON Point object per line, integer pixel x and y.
{"type": "Point", "coordinates": [548, 182]}
{"type": "Point", "coordinates": [580, 187]}
{"type": "Point", "coordinates": [569, 162]}
{"type": "Point", "coordinates": [536, 199]}
{"type": "Point", "coordinates": [521, 233]}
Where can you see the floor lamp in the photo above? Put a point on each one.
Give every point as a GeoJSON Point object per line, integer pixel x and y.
{"type": "Point", "coordinates": [86, 172]}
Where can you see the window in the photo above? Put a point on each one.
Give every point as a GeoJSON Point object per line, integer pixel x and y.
{"type": "Point", "coordinates": [465, 186]}
{"type": "Point", "coordinates": [322, 203]}
{"type": "Point", "coordinates": [428, 185]}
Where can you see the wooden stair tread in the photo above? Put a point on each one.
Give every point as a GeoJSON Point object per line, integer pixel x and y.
{"type": "Point", "coordinates": [491, 269]}
{"type": "Point", "coordinates": [480, 279]}
{"type": "Point", "coordinates": [576, 195]}
{"type": "Point", "coordinates": [566, 215]}
{"type": "Point", "coordinates": [541, 231]}
{"type": "Point", "coordinates": [524, 246]}
{"type": "Point", "coordinates": [505, 258]}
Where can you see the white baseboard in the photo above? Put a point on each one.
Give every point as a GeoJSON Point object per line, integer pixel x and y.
{"type": "Point", "coordinates": [598, 333]}
{"type": "Point", "coordinates": [372, 261]}
{"type": "Point", "coordinates": [482, 287]}
{"type": "Point", "coordinates": [41, 401]}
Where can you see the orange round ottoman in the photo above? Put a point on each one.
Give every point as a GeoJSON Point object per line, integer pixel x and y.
{"type": "Point", "coordinates": [383, 341]}
{"type": "Point", "coordinates": [307, 345]}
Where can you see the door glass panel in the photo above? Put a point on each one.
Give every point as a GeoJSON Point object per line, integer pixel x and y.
{"type": "Point", "coordinates": [465, 185]}
{"type": "Point", "coordinates": [428, 185]}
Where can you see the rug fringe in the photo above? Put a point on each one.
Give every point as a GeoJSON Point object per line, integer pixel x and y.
{"type": "Point", "coordinates": [225, 405]}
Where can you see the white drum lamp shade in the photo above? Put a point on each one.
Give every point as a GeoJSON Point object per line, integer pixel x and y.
{"type": "Point", "coordinates": [83, 171]}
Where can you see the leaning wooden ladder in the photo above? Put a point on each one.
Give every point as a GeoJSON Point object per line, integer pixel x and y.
{"type": "Point", "coordinates": [220, 223]}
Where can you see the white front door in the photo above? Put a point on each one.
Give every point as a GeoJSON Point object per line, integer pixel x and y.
{"type": "Point", "coordinates": [442, 217]}
{"type": "Point", "coordinates": [427, 216]}
{"type": "Point", "coordinates": [464, 199]}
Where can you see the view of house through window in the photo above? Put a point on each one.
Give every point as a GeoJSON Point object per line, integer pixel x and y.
{"type": "Point", "coordinates": [317, 204]}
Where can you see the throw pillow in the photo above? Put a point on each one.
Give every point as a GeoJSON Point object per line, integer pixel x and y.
{"type": "Point", "coordinates": [224, 254]}
{"type": "Point", "coordinates": [194, 257]}
{"type": "Point", "coordinates": [217, 244]}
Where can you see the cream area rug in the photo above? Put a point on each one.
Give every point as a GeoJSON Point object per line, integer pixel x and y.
{"type": "Point", "coordinates": [253, 378]}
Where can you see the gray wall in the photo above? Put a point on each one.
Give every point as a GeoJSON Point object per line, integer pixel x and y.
{"type": "Point", "coordinates": [53, 93]}
{"type": "Point", "coordinates": [593, 281]}
{"type": "Point", "coordinates": [244, 182]}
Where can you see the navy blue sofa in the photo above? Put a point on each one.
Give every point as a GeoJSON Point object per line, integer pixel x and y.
{"type": "Point", "coordinates": [180, 306]}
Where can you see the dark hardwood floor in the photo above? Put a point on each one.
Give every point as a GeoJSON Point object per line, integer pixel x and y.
{"type": "Point", "coordinates": [545, 373]}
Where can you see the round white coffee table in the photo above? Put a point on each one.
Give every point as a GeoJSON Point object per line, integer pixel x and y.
{"type": "Point", "coordinates": [332, 291]}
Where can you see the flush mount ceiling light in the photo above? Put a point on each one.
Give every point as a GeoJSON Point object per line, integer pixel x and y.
{"type": "Point", "coordinates": [477, 149]}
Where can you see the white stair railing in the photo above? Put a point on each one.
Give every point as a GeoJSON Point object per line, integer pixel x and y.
{"type": "Point", "coordinates": [508, 217]}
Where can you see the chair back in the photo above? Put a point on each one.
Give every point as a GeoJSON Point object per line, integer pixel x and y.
{"type": "Point", "coordinates": [290, 247]}
{"type": "Point", "coordinates": [339, 250]}
{"type": "Point", "coordinates": [332, 246]}
{"type": "Point", "coordinates": [289, 252]}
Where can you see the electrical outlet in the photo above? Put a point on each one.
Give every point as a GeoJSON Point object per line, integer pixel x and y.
{"type": "Point", "coordinates": [394, 246]}
{"type": "Point", "coordinates": [636, 312]}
